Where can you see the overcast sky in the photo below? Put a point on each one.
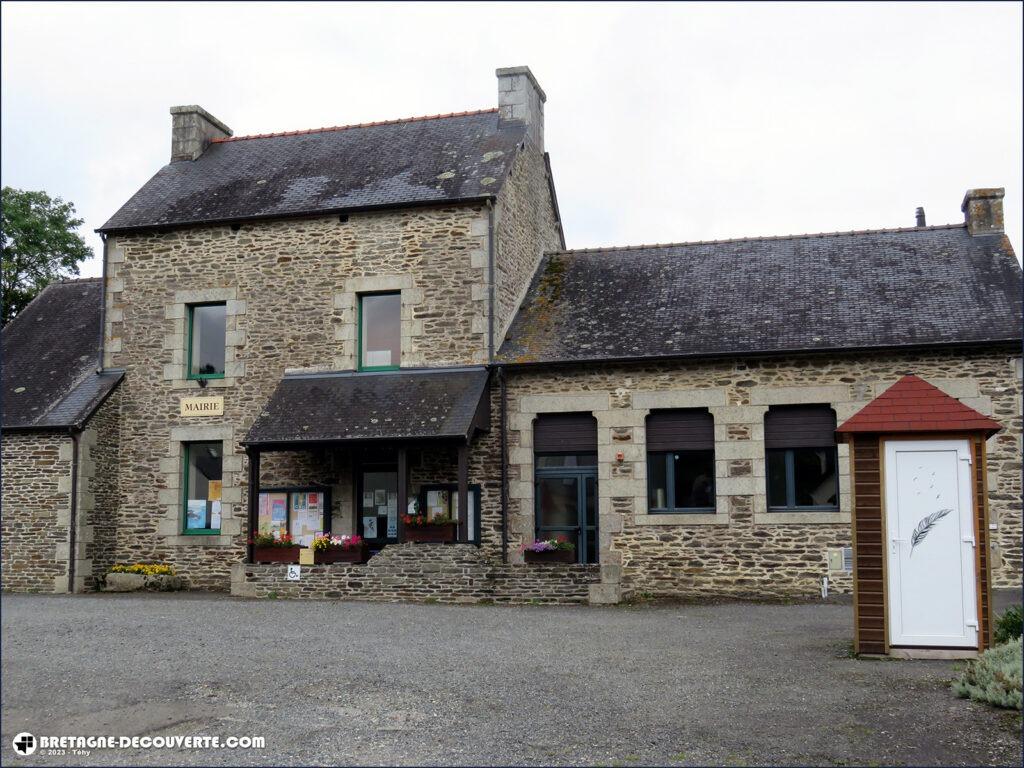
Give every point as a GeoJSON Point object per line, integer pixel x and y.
{"type": "Point", "coordinates": [665, 122]}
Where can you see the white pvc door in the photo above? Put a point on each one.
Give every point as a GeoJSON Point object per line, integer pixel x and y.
{"type": "Point", "coordinates": [930, 534]}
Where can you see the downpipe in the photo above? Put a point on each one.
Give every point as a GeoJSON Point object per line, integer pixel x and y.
{"type": "Point", "coordinates": [73, 516]}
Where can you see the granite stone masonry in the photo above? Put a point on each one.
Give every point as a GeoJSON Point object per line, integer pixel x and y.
{"type": "Point", "coordinates": [36, 511]}
{"type": "Point", "coordinates": [743, 549]}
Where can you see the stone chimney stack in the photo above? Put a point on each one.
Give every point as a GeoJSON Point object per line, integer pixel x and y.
{"type": "Point", "coordinates": [192, 129]}
{"type": "Point", "coordinates": [983, 211]}
{"type": "Point", "coordinates": [521, 100]}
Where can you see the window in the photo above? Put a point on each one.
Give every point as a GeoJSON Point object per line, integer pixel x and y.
{"type": "Point", "coordinates": [206, 329]}
{"type": "Point", "coordinates": [681, 461]}
{"type": "Point", "coordinates": [203, 486]}
{"type": "Point", "coordinates": [800, 444]}
{"type": "Point", "coordinates": [380, 331]}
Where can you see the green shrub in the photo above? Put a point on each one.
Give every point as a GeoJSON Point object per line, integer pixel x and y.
{"type": "Point", "coordinates": [994, 677]}
{"type": "Point", "coordinates": [1008, 625]}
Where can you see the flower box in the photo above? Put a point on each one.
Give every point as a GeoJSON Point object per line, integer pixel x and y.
{"type": "Point", "coordinates": [275, 554]}
{"type": "Point", "coordinates": [430, 533]}
{"type": "Point", "coordinates": [360, 553]}
{"type": "Point", "coordinates": [550, 556]}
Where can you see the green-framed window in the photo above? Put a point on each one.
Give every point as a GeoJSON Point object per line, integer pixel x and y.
{"type": "Point", "coordinates": [202, 485]}
{"type": "Point", "coordinates": [380, 331]}
{"type": "Point", "coordinates": [207, 327]}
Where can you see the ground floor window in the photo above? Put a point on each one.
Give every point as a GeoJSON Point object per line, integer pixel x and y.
{"type": "Point", "coordinates": [203, 484]}
{"type": "Point", "coordinates": [442, 500]}
{"type": "Point", "coordinates": [681, 481]}
{"type": "Point", "coordinates": [301, 512]}
{"type": "Point", "coordinates": [802, 479]}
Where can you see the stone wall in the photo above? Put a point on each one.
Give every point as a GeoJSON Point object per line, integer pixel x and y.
{"type": "Point", "coordinates": [290, 288]}
{"type": "Point", "coordinates": [743, 549]}
{"type": "Point", "coordinates": [98, 487]}
{"type": "Point", "coordinates": [526, 228]}
{"type": "Point", "coordinates": [444, 573]}
{"type": "Point", "coordinates": [36, 498]}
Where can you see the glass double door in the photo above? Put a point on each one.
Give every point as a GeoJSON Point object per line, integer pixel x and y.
{"type": "Point", "coordinates": [566, 499]}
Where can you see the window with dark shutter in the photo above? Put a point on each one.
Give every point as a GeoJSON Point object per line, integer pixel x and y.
{"type": "Point", "coordinates": [681, 461]}
{"type": "Point", "coordinates": [565, 437]}
{"type": "Point", "coordinates": [801, 457]}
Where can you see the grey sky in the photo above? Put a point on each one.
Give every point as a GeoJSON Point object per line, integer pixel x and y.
{"type": "Point", "coordinates": [665, 122]}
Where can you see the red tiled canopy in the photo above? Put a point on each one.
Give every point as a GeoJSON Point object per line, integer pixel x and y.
{"type": "Point", "coordinates": [914, 405]}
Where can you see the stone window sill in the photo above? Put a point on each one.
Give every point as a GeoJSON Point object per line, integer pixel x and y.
{"type": "Point", "coordinates": [801, 518]}
{"type": "Point", "coordinates": [681, 519]}
{"type": "Point", "coordinates": [196, 540]}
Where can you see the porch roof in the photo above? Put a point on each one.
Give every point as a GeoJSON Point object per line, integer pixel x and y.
{"type": "Point", "coordinates": [349, 407]}
{"type": "Point", "coordinates": [914, 405]}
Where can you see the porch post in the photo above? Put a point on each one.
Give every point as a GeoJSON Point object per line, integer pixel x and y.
{"type": "Point", "coordinates": [254, 498]}
{"type": "Point", "coordinates": [463, 492]}
{"type": "Point", "coordinates": [403, 490]}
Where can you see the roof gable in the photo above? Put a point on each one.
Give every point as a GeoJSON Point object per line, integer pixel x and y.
{"type": "Point", "coordinates": [49, 353]}
{"type": "Point", "coordinates": [914, 405]}
{"type": "Point", "coordinates": [855, 290]}
{"type": "Point", "coordinates": [436, 160]}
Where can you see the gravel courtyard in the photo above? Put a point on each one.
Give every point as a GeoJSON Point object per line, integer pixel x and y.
{"type": "Point", "coordinates": [379, 684]}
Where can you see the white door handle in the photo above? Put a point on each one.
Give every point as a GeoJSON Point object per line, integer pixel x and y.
{"type": "Point", "coordinates": [969, 540]}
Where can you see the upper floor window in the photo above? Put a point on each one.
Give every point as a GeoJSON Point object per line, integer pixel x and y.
{"type": "Point", "coordinates": [800, 445]}
{"type": "Point", "coordinates": [203, 487]}
{"type": "Point", "coordinates": [681, 461]}
{"type": "Point", "coordinates": [206, 334]}
{"type": "Point", "coordinates": [380, 331]}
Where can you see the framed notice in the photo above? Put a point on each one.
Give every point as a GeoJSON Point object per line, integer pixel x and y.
{"type": "Point", "coordinates": [195, 514]}
{"type": "Point", "coordinates": [369, 527]}
{"type": "Point", "coordinates": [298, 511]}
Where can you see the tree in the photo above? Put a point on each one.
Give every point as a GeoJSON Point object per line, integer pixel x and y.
{"type": "Point", "coordinates": [38, 244]}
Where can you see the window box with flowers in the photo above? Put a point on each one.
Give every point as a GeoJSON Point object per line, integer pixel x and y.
{"type": "Point", "coordinates": [439, 529]}
{"type": "Point", "coordinates": [328, 549]}
{"type": "Point", "coordinates": [274, 548]}
{"type": "Point", "coordinates": [557, 550]}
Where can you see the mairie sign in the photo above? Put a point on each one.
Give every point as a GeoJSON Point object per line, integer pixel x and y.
{"type": "Point", "coordinates": [202, 406]}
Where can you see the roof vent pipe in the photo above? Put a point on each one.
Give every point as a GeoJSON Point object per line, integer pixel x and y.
{"type": "Point", "coordinates": [920, 217]}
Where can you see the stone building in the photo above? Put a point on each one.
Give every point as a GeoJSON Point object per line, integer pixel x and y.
{"type": "Point", "coordinates": [325, 330]}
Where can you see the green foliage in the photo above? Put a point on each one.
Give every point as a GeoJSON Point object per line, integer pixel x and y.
{"type": "Point", "coordinates": [994, 677]}
{"type": "Point", "coordinates": [1008, 625]}
{"type": "Point", "coordinates": [38, 245]}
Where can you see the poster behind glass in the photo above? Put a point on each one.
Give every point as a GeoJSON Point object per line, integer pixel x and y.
{"type": "Point", "coordinates": [307, 516]}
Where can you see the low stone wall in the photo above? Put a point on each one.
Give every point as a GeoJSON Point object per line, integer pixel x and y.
{"type": "Point", "coordinates": [444, 573]}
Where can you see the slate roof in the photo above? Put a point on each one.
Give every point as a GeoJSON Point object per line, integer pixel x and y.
{"type": "Point", "coordinates": [348, 407]}
{"type": "Point", "coordinates": [914, 405]}
{"type": "Point", "coordinates": [440, 159]}
{"type": "Point", "coordinates": [48, 354]}
{"type": "Point", "coordinates": [875, 289]}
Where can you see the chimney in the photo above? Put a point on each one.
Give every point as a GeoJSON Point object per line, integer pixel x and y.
{"type": "Point", "coordinates": [920, 217]}
{"type": "Point", "coordinates": [983, 211]}
{"type": "Point", "coordinates": [521, 101]}
{"type": "Point", "coordinates": [192, 129]}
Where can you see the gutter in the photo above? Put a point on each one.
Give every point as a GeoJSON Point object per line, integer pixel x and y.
{"type": "Point", "coordinates": [75, 435]}
{"type": "Point", "coordinates": [103, 304]}
{"type": "Point", "coordinates": [698, 356]}
{"type": "Point", "coordinates": [474, 200]}
{"type": "Point", "coordinates": [504, 463]}
{"type": "Point", "coordinates": [490, 281]}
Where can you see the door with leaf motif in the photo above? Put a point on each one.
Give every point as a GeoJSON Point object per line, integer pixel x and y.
{"type": "Point", "coordinates": [930, 563]}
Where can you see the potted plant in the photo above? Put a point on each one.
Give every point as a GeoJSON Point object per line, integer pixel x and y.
{"type": "Point", "coordinates": [329, 549]}
{"type": "Point", "coordinates": [440, 529]}
{"type": "Point", "coordinates": [557, 550]}
{"type": "Point", "coordinates": [274, 548]}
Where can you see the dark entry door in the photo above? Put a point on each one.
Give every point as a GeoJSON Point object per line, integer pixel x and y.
{"type": "Point", "coordinates": [566, 499]}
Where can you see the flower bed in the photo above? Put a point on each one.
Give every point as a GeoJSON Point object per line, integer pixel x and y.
{"type": "Point", "coordinates": [423, 530]}
{"type": "Point", "coordinates": [340, 549]}
{"type": "Point", "coordinates": [274, 548]}
{"type": "Point", "coordinates": [557, 550]}
{"type": "Point", "coordinates": [155, 577]}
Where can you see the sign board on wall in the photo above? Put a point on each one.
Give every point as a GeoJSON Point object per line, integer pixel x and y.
{"type": "Point", "coordinates": [202, 406]}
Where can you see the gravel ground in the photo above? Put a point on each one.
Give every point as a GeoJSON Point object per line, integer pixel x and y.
{"type": "Point", "coordinates": [391, 684]}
